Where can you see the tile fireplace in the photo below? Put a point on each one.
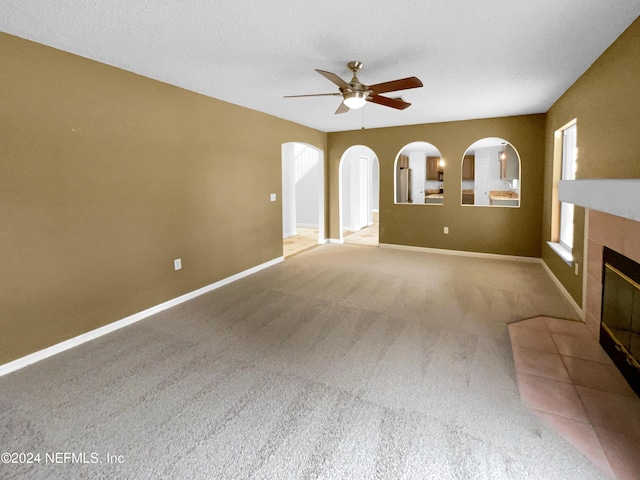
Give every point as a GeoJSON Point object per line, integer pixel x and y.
{"type": "Point", "coordinates": [613, 248]}
{"type": "Point", "coordinates": [620, 316]}
{"type": "Point", "coordinates": [613, 238]}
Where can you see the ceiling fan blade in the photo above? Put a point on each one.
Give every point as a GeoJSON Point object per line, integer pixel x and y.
{"type": "Point", "coordinates": [388, 102]}
{"type": "Point", "coordinates": [315, 95]}
{"type": "Point", "coordinates": [342, 108]}
{"type": "Point", "coordinates": [334, 78]}
{"type": "Point", "coordinates": [394, 85]}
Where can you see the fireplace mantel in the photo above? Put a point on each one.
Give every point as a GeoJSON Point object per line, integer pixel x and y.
{"type": "Point", "coordinates": [620, 197]}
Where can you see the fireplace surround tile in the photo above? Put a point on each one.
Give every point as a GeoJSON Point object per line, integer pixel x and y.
{"type": "Point", "coordinates": [606, 229]}
{"type": "Point", "coordinates": [594, 259]}
{"type": "Point", "coordinates": [582, 436]}
{"type": "Point", "coordinates": [617, 233]}
{"type": "Point", "coordinates": [604, 377]}
{"type": "Point", "coordinates": [580, 347]}
{"type": "Point", "coordinates": [537, 339]}
{"type": "Point", "coordinates": [622, 451]}
{"type": "Point", "coordinates": [631, 244]}
{"type": "Point", "coordinates": [609, 410]}
{"type": "Point", "coordinates": [575, 411]}
{"type": "Point", "coordinates": [612, 408]}
{"type": "Point", "coordinates": [594, 297]}
{"type": "Point", "coordinates": [551, 396]}
{"type": "Point", "coordinates": [593, 325]}
{"type": "Point", "coordinates": [542, 364]}
{"type": "Point", "coordinates": [630, 231]}
{"type": "Point", "coordinates": [567, 327]}
{"type": "Point", "coordinates": [536, 323]}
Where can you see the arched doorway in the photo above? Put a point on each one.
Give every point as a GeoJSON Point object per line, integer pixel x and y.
{"type": "Point", "coordinates": [359, 184]}
{"type": "Point", "coordinates": [302, 197]}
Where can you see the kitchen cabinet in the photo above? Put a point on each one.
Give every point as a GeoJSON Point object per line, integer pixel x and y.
{"type": "Point", "coordinates": [468, 167]}
{"type": "Point", "coordinates": [433, 168]}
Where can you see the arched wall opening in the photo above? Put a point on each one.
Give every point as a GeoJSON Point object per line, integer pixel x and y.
{"type": "Point", "coordinates": [419, 175]}
{"type": "Point", "coordinates": [491, 174]}
{"type": "Point", "coordinates": [359, 189]}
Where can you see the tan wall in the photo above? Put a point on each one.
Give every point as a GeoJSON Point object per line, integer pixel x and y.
{"type": "Point", "coordinates": [606, 103]}
{"type": "Point", "coordinates": [507, 231]}
{"type": "Point", "coordinates": [106, 177]}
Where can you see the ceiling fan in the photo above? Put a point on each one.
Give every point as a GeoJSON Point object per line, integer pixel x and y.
{"type": "Point", "coordinates": [355, 94]}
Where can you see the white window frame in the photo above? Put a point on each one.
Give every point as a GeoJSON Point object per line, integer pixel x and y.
{"type": "Point", "coordinates": [564, 166]}
{"type": "Point", "coordinates": [569, 148]}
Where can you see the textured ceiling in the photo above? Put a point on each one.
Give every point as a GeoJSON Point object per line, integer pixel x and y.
{"type": "Point", "coordinates": [477, 59]}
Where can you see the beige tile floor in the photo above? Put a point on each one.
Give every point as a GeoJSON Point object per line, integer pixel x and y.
{"type": "Point", "coordinates": [307, 238]}
{"type": "Point", "coordinates": [568, 381]}
{"type": "Point", "coordinates": [365, 236]}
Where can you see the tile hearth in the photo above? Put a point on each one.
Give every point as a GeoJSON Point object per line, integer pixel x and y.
{"type": "Point", "coordinates": [569, 382]}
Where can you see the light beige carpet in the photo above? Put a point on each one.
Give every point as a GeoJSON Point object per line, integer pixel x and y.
{"type": "Point", "coordinates": [344, 362]}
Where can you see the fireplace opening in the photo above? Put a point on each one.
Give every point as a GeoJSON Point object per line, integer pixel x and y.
{"type": "Point", "coordinates": [620, 325]}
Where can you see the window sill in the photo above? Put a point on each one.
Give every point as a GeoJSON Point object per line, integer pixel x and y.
{"type": "Point", "coordinates": [564, 253]}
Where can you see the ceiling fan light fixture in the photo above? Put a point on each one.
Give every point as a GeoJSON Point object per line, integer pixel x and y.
{"type": "Point", "coordinates": [356, 94]}
{"type": "Point", "coordinates": [355, 100]}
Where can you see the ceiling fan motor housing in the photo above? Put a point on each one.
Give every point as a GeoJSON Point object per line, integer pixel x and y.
{"type": "Point", "coordinates": [354, 66]}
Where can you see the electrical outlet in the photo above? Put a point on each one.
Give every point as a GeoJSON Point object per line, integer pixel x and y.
{"type": "Point", "coordinates": [446, 230]}
{"type": "Point", "coordinates": [273, 197]}
{"type": "Point", "coordinates": [177, 264]}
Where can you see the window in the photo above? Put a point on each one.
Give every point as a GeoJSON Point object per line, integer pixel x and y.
{"type": "Point", "coordinates": [564, 168]}
{"type": "Point", "coordinates": [568, 173]}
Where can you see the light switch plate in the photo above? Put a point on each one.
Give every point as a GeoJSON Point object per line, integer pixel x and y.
{"type": "Point", "coordinates": [177, 264]}
{"type": "Point", "coordinates": [273, 197]}
{"type": "Point", "coordinates": [446, 230]}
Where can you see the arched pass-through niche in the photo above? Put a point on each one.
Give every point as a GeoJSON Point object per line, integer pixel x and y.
{"type": "Point", "coordinates": [491, 174]}
{"type": "Point", "coordinates": [419, 175]}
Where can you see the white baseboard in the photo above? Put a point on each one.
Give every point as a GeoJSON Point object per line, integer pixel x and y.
{"type": "Point", "coordinates": [307, 225]}
{"type": "Point", "coordinates": [111, 327]}
{"type": "Point", "coordinates": [290, 234]}
{"type": "Point", "coordinates": [462, 253]}
{"type": "Point", "coordinates": [335, 240]}
{"type": "Point", "coordinates": [564, 291]}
